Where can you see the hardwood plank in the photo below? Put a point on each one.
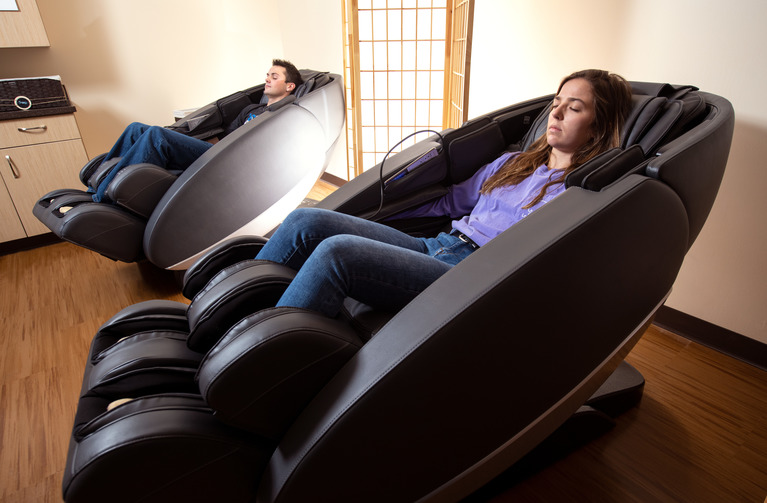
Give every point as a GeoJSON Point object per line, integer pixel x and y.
{"type": "Point", "coordinates": [321, 190]}
{"type": "Point", "coordinates": [697, 435]}
{"type": "Point", "coordinates": [52, 301]}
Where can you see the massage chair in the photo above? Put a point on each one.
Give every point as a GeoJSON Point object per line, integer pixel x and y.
{"type": "Point", "coordinates": [228, 398]}
{"type": "Point", "coordinates": [245, 184]}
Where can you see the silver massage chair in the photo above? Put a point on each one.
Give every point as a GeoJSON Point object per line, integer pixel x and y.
{"type": "Point", "coordinates": [245, 184]}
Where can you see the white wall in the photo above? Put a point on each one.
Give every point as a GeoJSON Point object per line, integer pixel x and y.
{"type": "Point", "coordinates": [522, 49]}
{"type": "Point", "coordinates": [140, 60]}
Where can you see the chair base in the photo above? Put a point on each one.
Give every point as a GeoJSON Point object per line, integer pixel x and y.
{"type": "Point", "coordinates": [622, 391]}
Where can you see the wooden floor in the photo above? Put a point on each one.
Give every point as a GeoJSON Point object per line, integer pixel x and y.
{"type": "Point", "coordinates": [698, 435]}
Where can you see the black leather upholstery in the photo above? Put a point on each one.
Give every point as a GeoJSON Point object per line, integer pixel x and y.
{"type": "Point", "coordinates": [512, 343]}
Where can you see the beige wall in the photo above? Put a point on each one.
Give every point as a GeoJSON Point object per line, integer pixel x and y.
{"type": "Point", "coordinates": [139, 60]}
{"type": "Point", "coordinates": [522, 48]}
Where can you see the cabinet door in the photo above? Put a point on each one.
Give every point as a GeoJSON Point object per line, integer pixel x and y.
{"type": "Point", "coordinates": [10, 225]}
{"type": "Point", "coordinates": [33, 171]}
{"type": "Point", "coordinates": [24, 27]}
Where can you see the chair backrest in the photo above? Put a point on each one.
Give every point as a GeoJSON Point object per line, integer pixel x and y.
{"type": "Point", "coordinates": [662, 115]}
{"type": "Point", "coordinates": [693, 163]}
{"type": "Point", "coordinates": [212, 119]}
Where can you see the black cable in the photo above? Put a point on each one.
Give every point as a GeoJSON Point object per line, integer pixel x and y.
{"type": "Point", "coordinates": [380, 169]}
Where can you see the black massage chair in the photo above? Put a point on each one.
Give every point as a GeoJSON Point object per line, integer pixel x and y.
{"type": "Point", "coordinates": [245, 184]}
{"type": "Point", "coordinates": [231, 399]}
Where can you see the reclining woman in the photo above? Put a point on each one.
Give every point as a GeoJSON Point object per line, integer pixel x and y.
{"type": "Point", "coordinates": [338, 255]}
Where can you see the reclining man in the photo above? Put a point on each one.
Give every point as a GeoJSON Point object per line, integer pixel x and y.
{"type": "Point", "coordinates": [140, 143]}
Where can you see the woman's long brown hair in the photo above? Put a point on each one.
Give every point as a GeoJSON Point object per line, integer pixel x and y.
{"type": "Point", "coordinates": [612, 103]}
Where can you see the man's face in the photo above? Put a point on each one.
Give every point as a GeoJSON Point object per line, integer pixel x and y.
{"type": "Point", "coordinates": [276, 86]}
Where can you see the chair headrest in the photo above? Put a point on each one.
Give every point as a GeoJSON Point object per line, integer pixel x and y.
{"type": "Point", "coordinates": [658, 112]}
{"type": "Point", "coordinates": [645, 111]}
{"type": "Point", "coordinates": [312, 80]}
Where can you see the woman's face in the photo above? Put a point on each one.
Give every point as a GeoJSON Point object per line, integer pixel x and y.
{"type": "Point", "coordinates": [572, 115]}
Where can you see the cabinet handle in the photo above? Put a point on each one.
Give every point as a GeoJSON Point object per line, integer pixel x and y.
{"type": "Point", "coordinates": [15, 171]}
{"type": "Point", "coordinates": [29, 129]}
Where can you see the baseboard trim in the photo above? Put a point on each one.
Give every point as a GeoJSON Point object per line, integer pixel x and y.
{"type": "Point", "coordinates": [721, 339]}
{"type": "Point", "coordinates": [24, 244]}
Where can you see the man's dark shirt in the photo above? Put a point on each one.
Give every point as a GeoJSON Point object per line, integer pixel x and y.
{"type": "Point", "coordinates": [248, 113]}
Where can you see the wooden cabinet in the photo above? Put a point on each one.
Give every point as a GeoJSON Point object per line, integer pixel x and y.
{"type": "Point", "coordinates": [37, 155]}
{"type": "Point", "coordinates": [23, 27]}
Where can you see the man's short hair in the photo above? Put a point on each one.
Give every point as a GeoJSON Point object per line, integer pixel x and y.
{"type": "Point", "coordinates": [291, 72]}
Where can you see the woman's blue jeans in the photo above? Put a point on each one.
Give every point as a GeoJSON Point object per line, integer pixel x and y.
{"type": "Point", "coordinates": [339, 256]}
{"type": "Point", "coordinates": [140, 143]}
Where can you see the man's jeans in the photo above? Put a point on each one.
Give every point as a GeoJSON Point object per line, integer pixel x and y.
{"type": "Point", "coordinates": [140, 143]}
{"type": "Point", "coordinates": [338, 255]}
